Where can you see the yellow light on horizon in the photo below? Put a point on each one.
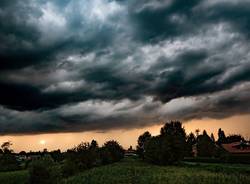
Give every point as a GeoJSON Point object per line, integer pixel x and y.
{"type": "Point", "coordinates": [42, 142]}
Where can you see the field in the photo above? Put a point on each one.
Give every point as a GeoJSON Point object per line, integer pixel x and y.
{"type": "Point", "coordinates": [134, 171]}
{"type": "Point", "coordinates": [15, 177]}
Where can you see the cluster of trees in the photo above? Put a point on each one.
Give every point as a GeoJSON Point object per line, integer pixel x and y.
{"type": "Point", "coordinates": [172, 145]}
{"type": "Point", "coordinates": [50, 167]}
{"type": "Point", "coordinates": [7, 159]}
{"type": "Point", "coordinates": [56, 165]}
{"type": "Point", "coordinates": [167, 148]}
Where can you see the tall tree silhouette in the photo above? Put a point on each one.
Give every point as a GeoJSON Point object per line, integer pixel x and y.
{"type": "Point", "coordinates": [169, 147]}
{"type": "Point", "coordinates": [205, 145]}
{"type": "Point", "coordinates": [141, 143]}
{"type": "Point", "coordinates": [221, 137]}
{"type": "Point", "coordinates": [191, 141]}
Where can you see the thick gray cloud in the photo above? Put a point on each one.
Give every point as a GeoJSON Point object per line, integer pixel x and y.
{"type": "Point", "coordinates": [103, 64]}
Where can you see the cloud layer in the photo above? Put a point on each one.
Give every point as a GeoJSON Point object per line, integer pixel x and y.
{"type": "Point", "coordinates": [105, 64]}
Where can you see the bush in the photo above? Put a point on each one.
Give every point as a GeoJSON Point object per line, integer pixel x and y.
{"type": "Point", "coordinates": [105, 156]}
{"type": "Point", "coordinates": [69, 168]}
{"type": "Point", "coordinates": [115, 150]}
{"type": "Point", "coordinates": [8, 162]}
{"type": "Point", "coordinates": [84, 155]}
{"type": "Point", "coordinates": [43, 171]}
{"type": "Point", "coordinates": [110, 152]}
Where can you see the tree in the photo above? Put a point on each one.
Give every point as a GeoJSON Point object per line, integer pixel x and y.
{"type": "Point", "coordinates": [221, 137]}
{"type": "Point", "coordinates": [93, 144]}
{"type": "Point", "coordinates": [8, 161]}
{"type": "Point", "coordinates": [57, 155]}
{"type": "Point", "coordinates": [84, 156]}
{"type": "Point", "coordinates": [197, 132]}
{"type": "Point", "coordinates": [41, 171]}
{"type": "Point", "coordinates": [169, 147]}
{"type": "Point", "coordinates": [22, 153]}
{"type": "Point", "coordinates": [6, 147]}
{"type": "Point", "coordinates": [212, 137]}
{"type": "Point", "coordinates": [205, 146]}
{"type": "Point", "coordinates": [130, 148]}
{"type": "Point", "coordinates": [153, 152]}
{"type": "Point", "coordinates": [191, 141]}
{"type": "Point", "coordinates": [115, 150]}
{"type": "Point", "coordinates": [141, 143]}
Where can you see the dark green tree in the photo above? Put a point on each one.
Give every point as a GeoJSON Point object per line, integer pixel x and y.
{"type": "Point", "coordinates": [205, 146]}
{"type": "Point", "coordinates": [212, 137]}
{"type": "Point", "coordinates": [169, 147]}
{"type": "Point", "coordinates": [94, 144]}
{"type": "Point", "coordinates": [57, 155]}
{"type": "Point", "coordinates": [141, 143]}
{"type": "Point", "coordinates": [115, 150]}
{"type": "Point", "coordinates": [221, 137]}
{"type": "Point", "coordinates": [153, 150]}
{"type": "Point", "coordinates": [191, 141]}
{"type": "Point", "coordinates": [6, 147]}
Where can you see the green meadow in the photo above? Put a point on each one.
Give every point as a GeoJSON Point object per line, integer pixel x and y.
{"type": "Point", "coordinates": [14, 177]}
{"type": "Point", "coordinates": [134, 171]}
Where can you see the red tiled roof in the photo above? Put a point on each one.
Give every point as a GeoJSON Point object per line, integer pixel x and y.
{"type": "Point", "coordinates": [237, 147]}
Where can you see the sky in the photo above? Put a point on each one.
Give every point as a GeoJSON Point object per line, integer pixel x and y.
{"type": "Point", "coordinates": [80, 69]}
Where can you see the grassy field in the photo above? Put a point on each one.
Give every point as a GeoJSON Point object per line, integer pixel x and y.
{"type": "Point", "coordinates": [134, 171]}
{"type": "Point", "coordinates": [15, 177]}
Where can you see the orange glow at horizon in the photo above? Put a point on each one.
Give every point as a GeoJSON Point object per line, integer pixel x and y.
{"type": "Point", "coordinates": [64, 141]}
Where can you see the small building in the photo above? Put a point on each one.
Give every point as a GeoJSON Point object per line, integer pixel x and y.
{"type": "Point", "coordinates": [237, 148]}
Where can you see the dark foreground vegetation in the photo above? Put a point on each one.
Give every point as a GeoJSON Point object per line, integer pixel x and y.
{"type": "Point", "coordinates": [135, 171]}
{"type": "Point", "coordinates": [181, 158]}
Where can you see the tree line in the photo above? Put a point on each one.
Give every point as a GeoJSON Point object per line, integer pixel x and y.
{"type": "Point", "coordinates": [173, 144]}
{"type": "Point", "coordinates": [52, 167]}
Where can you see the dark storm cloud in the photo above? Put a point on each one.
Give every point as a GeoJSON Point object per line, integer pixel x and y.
{"type": "Point", "coordinates": [83, 65]}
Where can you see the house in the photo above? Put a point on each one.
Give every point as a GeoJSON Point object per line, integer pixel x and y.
{"type": "Point", "coordinates": [237, 147]}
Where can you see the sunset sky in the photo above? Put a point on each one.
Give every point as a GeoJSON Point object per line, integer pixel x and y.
{"type": "Point", "coordinates": [76, 70]}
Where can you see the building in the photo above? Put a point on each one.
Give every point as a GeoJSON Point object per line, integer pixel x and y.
{"type": "Point", "coordinates": [237, 147]}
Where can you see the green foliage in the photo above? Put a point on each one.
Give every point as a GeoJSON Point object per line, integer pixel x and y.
{"type": "Point", "coordinates": [205, 146]}
{"type": "Point", "coordinates": [141, 143]}
{"type": "Point", "coordinates": [153, 150]}
{"type": "Point", "coordinates": [57, 155]}
{"type": "Point", "coordinates": [169, 147]}
{"type": "Point", "coordinates": [136, 172]}
{"type": "Point", "coordinates": [43, 171]}
{"type": "Point", "coordinates": [191, 141]}
{"type": "Point", "coordinates": [84, 155]}
{"type": "Point", "coordinates": [113, 150]}
{"type": "Point", "coordinates": [221, 137]}
{"type": "Point", "coordinates": [14, 177]}
{"type": "Point", "coordinates": [6, 147]}
{"type": "Point", "coordinates": [69, 168]}
{"type": "Point", "coordinates": [8, 162]}
{"type": "Point", "coordinates": [132, 170]}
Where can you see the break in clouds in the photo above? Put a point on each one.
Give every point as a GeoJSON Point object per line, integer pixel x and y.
{"type": "Point", "coordinates": [75, 65]}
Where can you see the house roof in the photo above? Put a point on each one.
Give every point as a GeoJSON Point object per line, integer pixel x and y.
{"type": "Point", "coordinates": [237, 147]}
